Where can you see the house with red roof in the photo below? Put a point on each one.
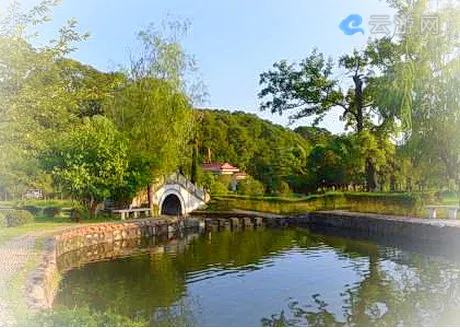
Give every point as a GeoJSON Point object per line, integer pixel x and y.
{"type": "Point", "coordinates": [224, 169]}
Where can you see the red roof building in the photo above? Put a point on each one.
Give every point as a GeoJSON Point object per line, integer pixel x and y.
{"type": "Point", "coordinates": [220, 168]}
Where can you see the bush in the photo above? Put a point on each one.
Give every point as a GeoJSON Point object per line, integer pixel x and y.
{"type": "Point", "coordinates": [18, 217]}
{"type": "Point", "coordinates": [51, 211]}
{"type": "Point", "coordinates": [283, 189]}
{"type": "Point", "coordinates": [219, 188]}
{"type": "Point", "coordinates": [79, 213]}
{"type": "Point", "coordinates": [35, 210]}
{"type": "Point", "coordinates": [3, 221]}
{"type": "Point", "coordinates": [250, 186]}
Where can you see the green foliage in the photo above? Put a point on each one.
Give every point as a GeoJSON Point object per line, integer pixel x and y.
{"type": "Point", "coordinates": [17, 217]}
{"type": "Point", "coordinates": [89, 161]}
{"type": "Point", "coordinates": [51, 211]}
{"type": "Point", "coordinates": [137, 176]}
{"type": "Point", "coordinates": [38, 97]}
{"type": "Point", "coordinates": [250, 186]}
{"type": "Point", "coordinates": [220, 188]}
{"type": "Point", "coordinates": [153, 110]}
{"type": "Point", "coordinates": [35, 210]}
{"type": "Point", "coordinates": [216, 185]}
{"type": "Point", "coordinates": [382, 203]}
{"type": "Point", "coordinates": [3, 221]}
{"type": "Point", "coordinates": [314, 135]}
{"type": "Point", "coordinates": [268, 152]}
{"type": "Point", "coordinates": [283, 189]}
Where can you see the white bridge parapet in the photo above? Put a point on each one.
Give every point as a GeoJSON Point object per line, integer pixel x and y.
{"type": "Point", "coordinates": [179, 196]}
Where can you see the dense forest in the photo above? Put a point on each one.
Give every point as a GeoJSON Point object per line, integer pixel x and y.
{"type": "Point", "coordinates": [308, 159]}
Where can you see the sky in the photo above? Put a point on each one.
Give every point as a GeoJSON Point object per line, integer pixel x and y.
{"type": "Point", "coordinates": [233, 41]}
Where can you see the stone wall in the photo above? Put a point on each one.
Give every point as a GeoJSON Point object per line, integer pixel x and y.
{"type": "Point", "coordinates": [410, 229]}
{"type": "Point", "coordinates": [96, 242]}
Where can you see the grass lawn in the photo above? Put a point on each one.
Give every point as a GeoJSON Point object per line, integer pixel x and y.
{"type": "Point", "coordinates": [9, 233]}
{"type": "Point", "coordinates": [42, 221]}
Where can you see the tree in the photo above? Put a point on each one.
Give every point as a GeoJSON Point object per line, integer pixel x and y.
{"type": "Point", "coordinates": [36, 102]}
{"type": "Point", "coordinates": [310, 89]}
{"type": "Point", "coordinates": [152, 108]}
{"type": "Point", "coordinates": [423, 78]}
{"type": "Point", "coordinates": [270, 153]}
{"type": "Point", "coordinates": [314, 134]}
{"type": "Point", "coordinates": [89, 161]}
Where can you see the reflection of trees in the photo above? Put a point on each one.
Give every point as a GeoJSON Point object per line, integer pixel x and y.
{"type": "Point", "coordinates": [315, 315]}
{"type": "Point", "coordinates": [231, 249]}
{"type": "Point", "coordinates": [405, 289]}
{"type": "Point", "coordinates": [397, 287]}
{"type": "Point", "coordinates": [153, 285]}
{"type": "Point", "coordinates": [126, 286]}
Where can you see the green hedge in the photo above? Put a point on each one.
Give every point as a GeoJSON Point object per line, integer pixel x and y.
{"type": "Point", "coordinates": [51, 211]}
{"type": "Point", "coordinates": [385, 203]}
{"type": "Point", "coordinates": [3, 221]}
{"type": "Point", "coordinates": [17, 217]}
{"type": "Point", "coordinates": [35, 210]}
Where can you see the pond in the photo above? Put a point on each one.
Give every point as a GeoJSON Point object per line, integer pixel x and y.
{"type": "Point", "coordinates": [272, 277]}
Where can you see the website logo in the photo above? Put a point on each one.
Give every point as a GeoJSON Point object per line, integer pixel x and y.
{"type": "Point", "coordinates": [350, 25]}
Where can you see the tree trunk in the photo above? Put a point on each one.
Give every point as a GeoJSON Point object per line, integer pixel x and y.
{"type": "Point", "coordinates": [149, 196]}
{"type": "Point", "coordinates": [371, 175]}
{"type": "Point", "coordinates": [194, 168]}
{"type": "Point", "coordinates": [370, 171]}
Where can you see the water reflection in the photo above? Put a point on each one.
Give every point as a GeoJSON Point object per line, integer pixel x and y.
{"type": "Point", "coordinates": [273, 278]}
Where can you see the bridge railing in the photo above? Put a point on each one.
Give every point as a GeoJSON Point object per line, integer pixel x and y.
{"type": "Point", "coordinates": [187, 184]}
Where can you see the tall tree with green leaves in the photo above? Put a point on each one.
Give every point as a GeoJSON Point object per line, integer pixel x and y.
{"type": "Point", "coordinates": [423, 78]}
{"type": "Point", "coordinates": [153, 107]}
{"type": "Point", "coordinates": [36, 102]}
{"type": "Point", "coordinates": [310, 89]}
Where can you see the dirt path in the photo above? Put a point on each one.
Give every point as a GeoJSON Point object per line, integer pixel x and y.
{"type": "Point", "coordinates": [14, 255]}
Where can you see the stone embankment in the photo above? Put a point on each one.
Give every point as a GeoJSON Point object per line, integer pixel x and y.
{"type": "Point", "coordinates": [92, 243]}
{"type": "Point", "coordinates": [408, 228]}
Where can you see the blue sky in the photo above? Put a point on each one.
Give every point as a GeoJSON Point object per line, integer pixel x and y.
{"type": "Point", "coordinates": [233, 41]}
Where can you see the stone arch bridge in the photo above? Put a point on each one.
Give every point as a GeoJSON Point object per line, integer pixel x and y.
{"type": "Point", "coordinates": [175, 195]}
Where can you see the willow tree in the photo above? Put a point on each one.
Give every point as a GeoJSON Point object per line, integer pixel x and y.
{"type": "Point", "coordinates": [423, 81]}
{"type": "Point", "coordinates": [154, 107]}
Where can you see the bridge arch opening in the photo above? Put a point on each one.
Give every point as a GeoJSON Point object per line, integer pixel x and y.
{"type": "Point", "coordinates": [171, 205]}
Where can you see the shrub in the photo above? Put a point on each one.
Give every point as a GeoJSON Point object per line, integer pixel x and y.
{"type": "Point", "coordinates": [18, 217]}
{"type": "Point", "coordinates": [250, 186]}
{"type": "Point", "coordinates": [79, 213]}
{"type": "Point", "coordinates": [51, 211]}
{"type": "Point", "coordinates": [35, 210]}
{"type": "Point", "coordinates": [219, 188]}
{"type": "Point", "coordinates": [283, 189]}
{"type": "Point", "coordinates": [3, 221]}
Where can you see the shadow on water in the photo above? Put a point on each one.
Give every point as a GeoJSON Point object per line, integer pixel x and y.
{"type": "Point", "coordinates": [273, 277]}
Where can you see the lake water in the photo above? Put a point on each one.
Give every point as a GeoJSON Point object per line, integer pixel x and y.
{"type": "Point", "coordinates": [270, 277]}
